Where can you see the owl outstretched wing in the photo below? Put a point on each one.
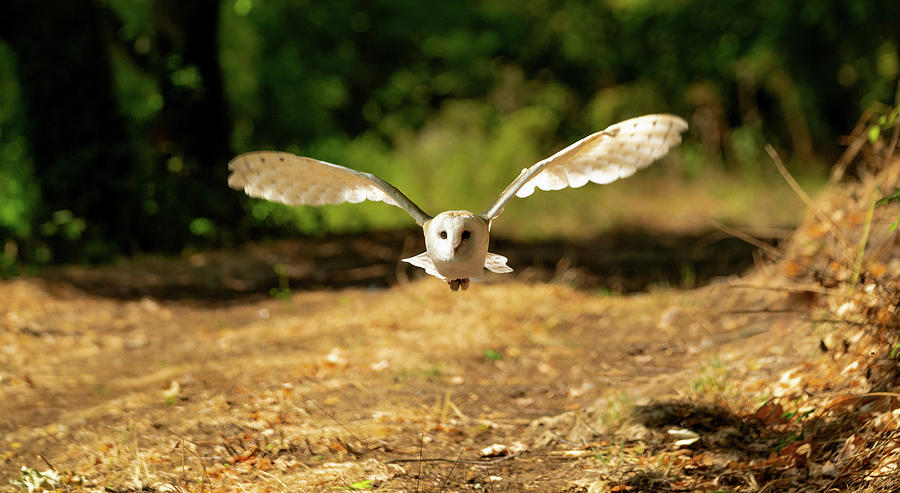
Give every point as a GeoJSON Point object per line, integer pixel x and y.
{"type": "Point", "coordinates": [297, 180]}
{"type": "Point", "coordinates": [603, 157]}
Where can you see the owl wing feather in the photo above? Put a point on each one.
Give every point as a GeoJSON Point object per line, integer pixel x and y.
{"type": "Point", "coordinates": [297, 180]}
{"type": "Point", "coordinates": [496, 263]}
{"type": "Point", "coordinates": [603, 157]}
{"type": "Point", "coordinates": [423, 261]}
{"type": "Point", "coordinates": [492, 262]}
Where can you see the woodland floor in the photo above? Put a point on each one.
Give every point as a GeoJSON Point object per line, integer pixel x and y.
{"type": "Point", "coordinates": [634, 363]}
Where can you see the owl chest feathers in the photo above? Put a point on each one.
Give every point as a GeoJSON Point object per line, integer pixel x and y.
{"type": "Point", "coordinates": [456, 245]}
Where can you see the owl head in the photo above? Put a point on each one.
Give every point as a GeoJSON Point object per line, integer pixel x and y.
{"type": "Point", "coordinates": [456, 236]}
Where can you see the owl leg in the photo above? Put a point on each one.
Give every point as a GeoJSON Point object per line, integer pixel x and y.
{"type": "Point", "coordinates": [455, 284]}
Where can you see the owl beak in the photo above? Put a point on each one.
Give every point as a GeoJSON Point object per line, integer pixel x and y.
{"type": "Point", "coordinates": [457, 245]}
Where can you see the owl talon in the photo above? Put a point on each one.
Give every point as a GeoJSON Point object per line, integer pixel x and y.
{"type": "Point", "coordinates": [459, 283]}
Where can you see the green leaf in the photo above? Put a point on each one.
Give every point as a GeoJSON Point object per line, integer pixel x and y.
{"type": "Point", "coordinates": [188, 77]}
{"type": "Point", "coordinates": [243, 7]}
{"type": "Point", "coordinates": [893, 116]}
{"type": "Point", "coordinates": [894, 225]}
{"type": "Point", "coordinates": [889, 198]}
{"type": "Point", "coordinates": [874, 133]}
{"type": "Point", "coordinates": [202, 226]}
{"type": "Point", "coordinates": [895, 351]}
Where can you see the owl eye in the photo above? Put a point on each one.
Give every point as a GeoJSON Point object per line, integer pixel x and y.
{"type": "Point", "coordinates": [443, 235]}
{"type": "Point", "coordinates": [466, 234]}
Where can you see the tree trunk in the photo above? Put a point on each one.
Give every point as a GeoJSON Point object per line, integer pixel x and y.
{"type": "Point", "coordinates": [82, 154]}
{"type": "Point", "coordinates": [194, 119]}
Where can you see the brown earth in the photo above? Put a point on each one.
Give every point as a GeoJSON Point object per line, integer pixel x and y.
{"type": "Point", "coordinates": [189, 375]}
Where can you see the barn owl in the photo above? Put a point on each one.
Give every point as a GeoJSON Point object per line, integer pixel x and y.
{"type": "Point", "coordinates": [456, 242]}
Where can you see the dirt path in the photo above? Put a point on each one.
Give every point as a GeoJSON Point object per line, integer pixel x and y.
{"type": "Point", "coordinates": [349, 388]}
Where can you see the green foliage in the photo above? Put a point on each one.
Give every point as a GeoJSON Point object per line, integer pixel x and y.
{"type": "Point", "coordinates": [895, 197]}
{"type": "Point", "coordinates": [787, 439]}
{"type": "Point", "coordinates": [283, 291]}
{"type": "Point", "coordinates": [20, 195]}
{"type": "Point", "coordinates": [493, 355]}
{"type": "Point", "coordinates": [365, 484]}
{"type": "Point", "coordinates": [688, 275]}
{"type": "Point", "coordinates": [884, 118]}
{"type": "Point", "coordinates": [202, 226]}
{"type": "Point", "coordinates": [887, 199]}
{"type": "Point", "coordinates": [712, 378]}
{"type": "Point", "coordinates": [430, 100]}
{"type": "Point", "coordinates": [449, 100]}
{"type": "Point", "coordinates": [616, 411]}
{"type": "Point", "coordinates": [796, 415]}
{"type": "Point", "coordinates": [389, 65]}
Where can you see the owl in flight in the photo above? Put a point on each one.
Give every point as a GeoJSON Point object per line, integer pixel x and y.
{"type": "Point", "coordinates": [456, 242]}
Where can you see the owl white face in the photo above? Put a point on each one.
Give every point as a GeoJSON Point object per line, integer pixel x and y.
{"type": "Point", "coordinates": [456, 236]}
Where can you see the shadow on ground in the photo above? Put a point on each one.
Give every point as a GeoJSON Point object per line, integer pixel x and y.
{"type": "Point", "coordinates": [770, 449]}
{"type": "Point", "coordinates": [619, 262]}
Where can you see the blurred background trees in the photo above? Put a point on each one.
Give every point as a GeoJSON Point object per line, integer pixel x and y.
{"type": "Point", "coordinates": [117, 116]}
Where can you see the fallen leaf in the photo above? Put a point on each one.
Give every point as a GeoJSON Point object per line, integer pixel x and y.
{"type": "Point", "coordinates": [682, 433]}
{"type": "Point", "coordinates": [771, 413]}
{"type": "Point", "coordinates": [495, 450]}
{"type": "Point", "coordinates": [571, 453]}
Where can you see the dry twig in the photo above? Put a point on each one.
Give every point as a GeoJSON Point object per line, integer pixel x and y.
{"type": "Point", "coordinates": [772, 251]}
